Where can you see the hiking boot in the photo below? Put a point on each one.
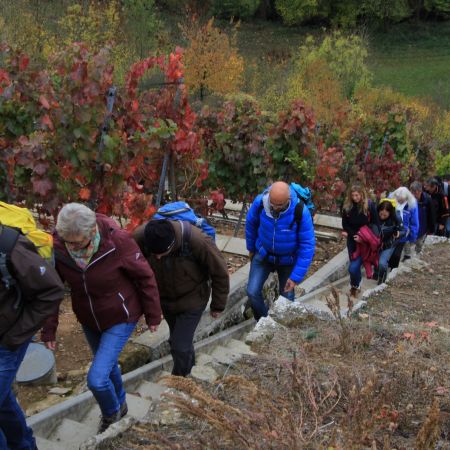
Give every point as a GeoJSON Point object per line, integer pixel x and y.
{"type": "Point", "coordinates": [123, 409]}
{"type": "Point", "coordinates": [354, 291]}
{"type": "Point", "coordinates": [106, 421]}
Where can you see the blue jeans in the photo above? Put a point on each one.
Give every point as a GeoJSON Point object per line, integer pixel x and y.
{"type": "Point", "coordinates": [104, 378]}
{"type": "Point", "coordinates": [385, 256]}
{"type": "Point", "coordinates": [354, 269]}
{"type": "Point", "coordinates": [259, 272]}
{"type": "Point", "coordinates": [14, 432]}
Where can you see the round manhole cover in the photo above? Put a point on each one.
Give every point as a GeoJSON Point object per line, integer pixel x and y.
{"type": "Point", "coordinates": [38, 362]}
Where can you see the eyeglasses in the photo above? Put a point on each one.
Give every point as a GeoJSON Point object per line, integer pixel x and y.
{"type": "Point", "coordinates": [279, 207]}
{"type": "Point", "coordinates": [83, 244]}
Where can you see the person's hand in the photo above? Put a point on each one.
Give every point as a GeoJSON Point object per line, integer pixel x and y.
{"type": "Point", "coordinates": [357, 238]}
{"type": "Point", "coordinates": [441, 227]}
{"type": "Point", "coordinates": [214, 314]}
{"type": "Point", "coordinates": [153, 328]}
{"type": "Point", "coordinates": [251, 255]}
{"type": "Point", "coordinates": [344, 234]}
{"type": "Point", "coordinates": [290, 285]}
{"type": "Point", "coordinates": [51, 345]}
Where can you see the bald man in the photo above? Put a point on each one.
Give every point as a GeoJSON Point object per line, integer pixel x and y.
{"type": "Point", "coordinates": [280, 238]}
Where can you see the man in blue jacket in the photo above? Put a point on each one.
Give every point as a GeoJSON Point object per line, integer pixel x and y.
{"type": "Point", "coordinates": [280, 237]}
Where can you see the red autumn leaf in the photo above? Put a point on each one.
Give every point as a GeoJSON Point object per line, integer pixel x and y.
{"type": "Point", "coordinates": [134, 105]}
{"type": "Point", "coordinates": [409, 336]}
{"type": "Point", "coordinates": [40, 168]}
{"type": "Point", "coordinates": [45, 120]}
{"type": "Point", "coordinates": [44, 102]}
{"type": "Point", "coordinates": [42, 186]}
{"type": "Point", "coordinates": [23, 62]}
{"type": "Point", "coordinates": [431, 324]}
{"type": "Point", "coordinates": [84, 193]}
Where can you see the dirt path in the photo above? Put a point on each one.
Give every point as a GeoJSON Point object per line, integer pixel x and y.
{"type": "Point", "coordinates": [378, 381]}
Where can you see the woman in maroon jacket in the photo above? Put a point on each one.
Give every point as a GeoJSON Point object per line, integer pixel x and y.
{"type": "Point", "coordinates": [112, 285]}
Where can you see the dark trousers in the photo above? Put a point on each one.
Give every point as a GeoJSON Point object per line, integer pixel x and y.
{"type": "Point", "coordinates": [182, 327]}
{"type": "Point", "coordinates": [394, 261]}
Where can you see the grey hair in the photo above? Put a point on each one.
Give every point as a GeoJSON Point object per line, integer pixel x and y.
{"type": "Point", "coordinates": [75, 219]}
{"type": "Point", "coordinates": [403, 192]}
{"type": "Point", "coordinates": [415, 186]}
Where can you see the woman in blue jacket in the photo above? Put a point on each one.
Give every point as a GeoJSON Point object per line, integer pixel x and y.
{"type": "Point", "coordinates": [407, 207]}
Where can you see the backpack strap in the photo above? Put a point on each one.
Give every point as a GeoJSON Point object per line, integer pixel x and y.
{"type": "Point", "coordinates": [298, 213]}
{"type": "Point", "coordinates": [173, 212]}
{"type": "Point", "coordinates": [8, 239]}
{"type": "Point", "coordinates": [186, 233]}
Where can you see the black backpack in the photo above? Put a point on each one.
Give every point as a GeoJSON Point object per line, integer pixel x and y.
{"type": "Point", "coordinates": [8, 239]}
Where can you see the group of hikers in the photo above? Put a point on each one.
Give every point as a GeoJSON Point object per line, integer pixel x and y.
{"type": "Point", "coordinates": [171, 269]}
{"type": "Point", "coordinates": [380, 235]}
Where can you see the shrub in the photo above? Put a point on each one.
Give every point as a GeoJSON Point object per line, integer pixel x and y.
{"type": "Point", "coordinates": [243, 9]}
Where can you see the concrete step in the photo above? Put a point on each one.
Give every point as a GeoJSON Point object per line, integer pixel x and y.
{"type": "Point", "coordinates": [138, 407]}
{"type": "Point", "coordinates": [71, 434]}
{"type": "Point", "coordinates": [225, 356]}
{"type": "Point", "coordinates": [204, 359]}
{"type": "Point", "coordinates": [204, 373]}
{"type": "Point", "coordinates": [150, 391]}
{"type": "Point", "coordinates": [44, 444]}
{"type": "Point", "coordinates": [239, 347]}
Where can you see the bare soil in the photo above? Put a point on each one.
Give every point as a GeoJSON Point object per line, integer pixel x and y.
{"type": "Point", "coordinates": [380, 380]}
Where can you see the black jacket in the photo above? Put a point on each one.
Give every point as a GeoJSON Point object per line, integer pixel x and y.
{"type": "Point", "coordinates": [354, 219]}
{"type": "Point", "coordinates": [387, 229]}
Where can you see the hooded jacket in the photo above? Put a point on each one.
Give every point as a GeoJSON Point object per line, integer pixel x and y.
{"type": "Point", "coordinates": [281, 240]}
{"type": "Point", "coordinates": [117, 286]}
{"type": "Point", "coordinates": [185, 282]}
{"type": "Point", "coordinates": [42, 291]}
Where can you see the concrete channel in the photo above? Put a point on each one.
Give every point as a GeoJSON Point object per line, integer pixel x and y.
{"type": "Point", "coordinates": [73, 422]}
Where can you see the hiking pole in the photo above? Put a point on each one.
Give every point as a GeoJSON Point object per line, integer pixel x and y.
{"type": "Point", "coordinates": [110, 98]}
{"type": "Point", "coordinates": [241, 216]}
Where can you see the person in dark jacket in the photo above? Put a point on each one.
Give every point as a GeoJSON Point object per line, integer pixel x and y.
{"type": "Point", "coordinates": [357, 212]}
{"type": "Point", "coordinates": [440, 201]}
{"type": "Point", "coordinates": [277, 242]}
{"type": "Point", "coordinates": [390, 229]}
{"type": "Point", "coordinates": [427, 217]}
{"type": "Point", "coordinates": [112, 286]}
{"type": "Point", "coordinates": [20, 317]}
{"type": "Point", "coordinates": [189, 268]}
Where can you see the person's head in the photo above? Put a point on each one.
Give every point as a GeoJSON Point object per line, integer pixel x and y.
{"type": "Point", "coordinates": [403, 196]}
{"type": "Point", "coordinates": [76, 225]}
{"type": "Point", "coordinates": [159, 238]}
{"type": "Point", "coordinates": [357, 195]}
{"type": "Point", "coordinates": [432, 185]}
{"type": "Point", "coordinates": [386, 208]}
{"type": "Point", "coordinates": [416, 188]}
{"type": "Point", "coordinates": [279, 196]}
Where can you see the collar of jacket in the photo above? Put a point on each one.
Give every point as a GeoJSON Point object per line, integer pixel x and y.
{"type": "Point", "coordinates": [106, 242]}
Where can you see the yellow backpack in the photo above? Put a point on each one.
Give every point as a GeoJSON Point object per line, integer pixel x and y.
{"type": "Point", "coordinates": [22, 220]}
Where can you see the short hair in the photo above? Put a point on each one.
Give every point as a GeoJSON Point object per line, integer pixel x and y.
{"type": "Point", "coordinates": [75, 219]}
{"type": "Point", "coordinates": [433, 181]}
{"type": "Point", "coordinates": [415, 186]}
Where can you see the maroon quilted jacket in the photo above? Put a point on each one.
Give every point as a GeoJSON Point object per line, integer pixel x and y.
{"type": "Point", "coordinates": [117, 286]}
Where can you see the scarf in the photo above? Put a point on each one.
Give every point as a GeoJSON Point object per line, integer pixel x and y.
{"type": "Point", "coordinates": [83, 256]}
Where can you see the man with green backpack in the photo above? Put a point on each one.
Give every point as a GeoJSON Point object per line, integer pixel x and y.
{"type": "Point", "coordinates": [30, 291]}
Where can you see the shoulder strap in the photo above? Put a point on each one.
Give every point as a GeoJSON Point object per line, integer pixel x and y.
{"type": "Point", "coordinates": [173, 212]}
{"type": "Point", "coordinates": [186, 233]}
{"type": "Point", "coordinates": [8, 239]}
{"type": "Point", "coordinates": [298, 213]}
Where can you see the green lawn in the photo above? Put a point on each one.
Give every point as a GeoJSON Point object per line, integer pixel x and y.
{"type": "Point", "coordinates": [414, 60]}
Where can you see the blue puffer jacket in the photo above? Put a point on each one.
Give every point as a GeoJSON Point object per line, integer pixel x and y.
{"type": "Point", "coordinates": [276, 241]}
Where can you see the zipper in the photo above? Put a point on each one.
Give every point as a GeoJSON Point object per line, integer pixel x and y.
{"type": "Point", "coordinates": [273, 237]}
{"type": "Point", "coordinates": [123, 305]}
{"type": "Point", "coordinates": [90, 301]}
{"type": "Point", "coordinates": [85, 285]}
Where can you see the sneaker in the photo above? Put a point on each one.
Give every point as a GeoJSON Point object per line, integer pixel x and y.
{"type": "Point", "coordinates": [106, 421]}
{"type": "Point", "coordinates": [123, 409]}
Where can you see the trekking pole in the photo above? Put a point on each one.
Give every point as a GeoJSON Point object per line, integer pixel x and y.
{"type": "Point", "coordinates": [110, 98]}
{"type": "Point", "coordinates": [162, 179]}
{"type": "Point", "coordinates": [241, 216]}
{"type": "Point", "coordinates": [383, 145]}
{"type": "Point", "coordinates": [6, 186]}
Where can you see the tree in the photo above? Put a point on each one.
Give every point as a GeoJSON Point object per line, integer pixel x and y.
{"type": "Point", "coordinates": [212, 61]}
{"type": "Point", "coordinates": [243, 9]}
{"type": "Point", "coordinates": [386, 12]}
